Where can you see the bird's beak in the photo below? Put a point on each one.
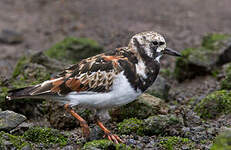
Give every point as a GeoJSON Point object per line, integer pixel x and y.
{"type": "Point", "coordinates": [170, 51]}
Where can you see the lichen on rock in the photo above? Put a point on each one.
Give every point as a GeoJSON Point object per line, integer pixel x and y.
{"type": "Point", "coordinates": [203, 59]}
{"type": "Point", "coordinates": [214, 104]}
{"type": "Point", "coordinates": [222, 141]}
{"type": "Point", "coordinates": [143, 107]}
{"type": "Point", "coordinates": [226, 82]}
{"type": "Point", "coordinates": [162, 124]}
{"type": "Point", "coordinates": [8, 141]}
{"type": "Point", "coordinates": [73, 49]}
{"type": "Point", "coordinates": [9, 120]}
{"type": "Point", "coordinates": [175, 143]}
{"type": "Point", "coordinates": [45, 136]}
{"type": "Point", "coordinates": [104, 145]}
{"type": "Point", "coordinates": [131, 125]}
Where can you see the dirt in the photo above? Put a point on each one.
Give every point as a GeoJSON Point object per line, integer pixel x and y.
{"type": "Point", "coordinates": [43, 23]}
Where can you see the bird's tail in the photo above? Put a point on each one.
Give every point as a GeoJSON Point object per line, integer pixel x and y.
{"type": "Point", "coordinates": [21, 93]}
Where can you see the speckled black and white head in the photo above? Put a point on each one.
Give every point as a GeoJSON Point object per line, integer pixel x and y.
{"type": "Point", "coordinates": [150, 45]}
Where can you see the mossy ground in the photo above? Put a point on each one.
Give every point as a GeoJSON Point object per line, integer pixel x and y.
{"type": "Point", "coordinates": [45, 136]}
{"type": "Point", "coordinates": [17, 141]}
{"type": "Point", "coordinates": [74, 49]}
{"type": "Point", "coordinates": [222, 141]}
{"type": "Point", "coordinates": [160, 124]}
{"type": "Point", "coordinates": [131, 125]}
{"type": "Point", "coordinates": [214, 105]}
{"type": "Point", "coordinates": [26, 73]}
{"type": "Point", "coordinates": [175, 143]}
{"type": "Point", "coordinates": [105, 145]}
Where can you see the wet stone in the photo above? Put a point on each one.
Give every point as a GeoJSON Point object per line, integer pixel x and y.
{"type": "Point", "coordinates": [9, 120]}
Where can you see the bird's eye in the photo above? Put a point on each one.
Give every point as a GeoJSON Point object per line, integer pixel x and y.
{"type": "Point", "coordinates": [161, 43]}
{"type": "Point", "coordinates": [155, 43]}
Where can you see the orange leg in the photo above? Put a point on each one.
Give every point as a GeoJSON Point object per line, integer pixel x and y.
{"type": "Point", "coordinates": [108, 134]}
{"type": "Point", "coordinates": [83, 123]}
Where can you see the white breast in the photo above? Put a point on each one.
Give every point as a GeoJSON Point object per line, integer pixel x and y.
{"type": "Point", "coordinates": [121, 93]}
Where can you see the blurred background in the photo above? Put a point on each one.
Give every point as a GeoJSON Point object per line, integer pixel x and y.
{"type": "Point", "coordinates": [40, 24]}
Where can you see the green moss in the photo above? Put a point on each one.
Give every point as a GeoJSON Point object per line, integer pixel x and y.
{"type": "Point", "coordinates": [160, 124]}
{"type": "Point", "coordinates": [226, 82]}
{"type": "Point", "coordinates": [17, 141]}
{"type": "Point", "coordinates": [45, 136]}
{"type": "Point", "coordinates": [74, 49]}
{"type": "Point", "coordinates": [131, 125]}
{"type": "Point", "coordinates": [173, 143]}
{"type": "Point", "coordinates": [3, 94]}
{"type": "Point", "coordinates": [27, 73]}
{"type": "Point", "coordinates": [182, 68]}
{"type": "Point", "coordinates": [142, 108]}
{"type": "Point", "coordinates": [222, 141]}
{"type": "Point", "coordinates": [200, 60]}
{"type": "Point", "coordinates": [104, 144]}
{"type": "Point", "coordinates": [19, 66]}
{"type": "Point", "coordinates": [214, 41]}
{"type": "Point", "coordinates": [215, 104]}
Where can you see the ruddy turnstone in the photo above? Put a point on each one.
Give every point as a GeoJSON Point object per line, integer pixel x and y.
{"type": "Point", "coordinates": [106, 80]}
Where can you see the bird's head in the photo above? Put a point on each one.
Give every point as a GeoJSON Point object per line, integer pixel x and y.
{"type": "Point", "coordinates": [151, 44]}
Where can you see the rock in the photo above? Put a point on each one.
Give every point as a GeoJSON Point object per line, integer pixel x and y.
{"type": "Point", "coordinates": [26, 70]}
{"type": "Point", "coordinates": [104, 144]}
{"type": "Point", "coordinates": [154, 125]}
{"type": "Point", "coordinates": [143, 107]}
{"type": "Point", "coordinates": [60, 119]}
{"type": "Point", "coordinates": [222, 141]}
{"type": "Point", "coordinates": [3, 93]}
{"type": "Point", "coordinates": [131, 125]}
{"type": "Point", "coordinates": [160, 88]}
{"type": "Point", "coordinates": [49, 63]}
{"type": "Point", "coordinates": [29, 71]}
{"type": "Point", "coordinates": [225, 53]}
{"type": "Point", "coordinates": [163, 125]}
{"type": "Point", "coordinates": [9, 120]}
{"type": "Point", "coordinates": [226, 81]}
{"type": "Point", "coordinates": [45, 136]}
{"type": "Point", "coordinates": [74, 49]}
{"type": "Point", "coordinates": [214, 105]}
{"type": "Point", "coordinates": [20, 129]}
{"type": "Point", "coordinates": [202, 60]}
{"type": "Point", "coordinates": [8, 141]}
{"type": "Point", "coordinates": [11, 37]}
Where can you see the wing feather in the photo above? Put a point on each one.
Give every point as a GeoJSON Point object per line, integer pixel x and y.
{"type": "Point", "coordinates": [94, 74]}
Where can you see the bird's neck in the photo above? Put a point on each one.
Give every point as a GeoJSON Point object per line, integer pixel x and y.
{"type": "Point", "coordinates": [151, 70]}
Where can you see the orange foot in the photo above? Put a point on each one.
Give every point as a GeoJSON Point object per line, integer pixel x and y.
{"type": "Point", "coordinates": [112, 137]}
{"type": "Point", "coordinates": [83, 123]}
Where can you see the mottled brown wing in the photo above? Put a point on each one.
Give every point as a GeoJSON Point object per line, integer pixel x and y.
{"type": "Point", "coordinates": [95, 74]}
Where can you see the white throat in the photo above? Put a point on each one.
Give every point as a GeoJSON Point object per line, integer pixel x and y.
{"type": "Point", "coordinates": [158, 58]}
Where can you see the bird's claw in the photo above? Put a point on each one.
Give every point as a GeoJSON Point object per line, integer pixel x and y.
{"type": "Point", "coordinates": [114, 138]}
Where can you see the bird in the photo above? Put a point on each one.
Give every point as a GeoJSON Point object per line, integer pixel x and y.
{"type": "Point", "coordinates": [111, 79]}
